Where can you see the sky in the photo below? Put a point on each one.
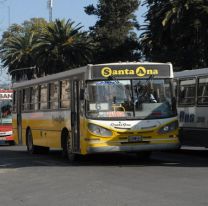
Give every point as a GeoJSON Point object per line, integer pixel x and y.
{"type": "Point", "coordinates": [17, 11]}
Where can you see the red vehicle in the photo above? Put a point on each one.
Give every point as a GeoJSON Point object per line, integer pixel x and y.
{"type": "Point", "coordinates": [6, 117]}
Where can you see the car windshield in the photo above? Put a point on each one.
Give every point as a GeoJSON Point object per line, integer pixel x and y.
{"type": "Point", "coordinates": [129, 99]}
{"type": "Point", "coordinates": [5, 112]}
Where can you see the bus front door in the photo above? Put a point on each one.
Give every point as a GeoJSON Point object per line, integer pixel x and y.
{"type": "Point", "coordinates": [75, 118]}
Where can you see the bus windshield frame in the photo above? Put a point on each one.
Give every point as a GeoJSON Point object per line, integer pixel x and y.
{"type": "Point", "coordinates": [135, 99]}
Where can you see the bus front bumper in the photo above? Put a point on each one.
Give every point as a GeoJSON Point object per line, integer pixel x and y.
{"type": "Point", "coordinates": [6, 139]}
{"type": "Point", "coordinates": [133, 148]}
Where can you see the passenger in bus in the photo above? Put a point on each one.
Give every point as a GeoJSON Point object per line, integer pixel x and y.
{"type": "Point", "coordinates": [153, 96]}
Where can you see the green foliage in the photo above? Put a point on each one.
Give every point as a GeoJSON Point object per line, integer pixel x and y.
{"type": "Point", "coordinates": [46, 47]}
{"type": "Point", "coordinates": [17, 53]}
{"type": "Point", "coordinates": [114, 33]}
{"type": "Point", "coordinates": [176, 31]}
{"type": "Point", "coordinates": [62, 47]}
{"type": "Point", "coordinates": [17, 45]}
{"type": "Point", "coordinates": [58, 46]}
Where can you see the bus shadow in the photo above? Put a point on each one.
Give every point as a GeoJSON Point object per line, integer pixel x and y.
{"type": "Point", "coordinates": [18, 159]}
{"type": "Point", "coordinates": [166, 159]}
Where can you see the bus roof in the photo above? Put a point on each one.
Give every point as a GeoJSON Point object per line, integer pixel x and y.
{"type": "Point", "coordinates": [131, 63]}
{"type": "Point", "coordinates": [103, 71]}
{"type": "Point", "coordinates": [191, 73]}
{"type": "Point", "coordinates": [52, 77]}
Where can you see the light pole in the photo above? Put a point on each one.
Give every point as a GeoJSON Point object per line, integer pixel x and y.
{"type": "Point", "coordinates": [9, 16]}
{"type": "Point", "coordinates": [50, 8]}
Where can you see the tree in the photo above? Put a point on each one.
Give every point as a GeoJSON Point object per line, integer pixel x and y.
{"type": "Point", "coordinates": [63, 46]}
{"type": "Point", "coordinates": [17, 46]}
{"type": "Point", "coordinates": [176, 31]}
{"type": "Point", "coordinates": [17, 54]}
{"type": "Point", "coordinates": [46, 47]}
{"type": "Point", "coordinates": [113, 33]}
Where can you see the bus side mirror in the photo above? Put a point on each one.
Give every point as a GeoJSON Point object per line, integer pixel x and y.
{"type": "Point", "coordinates": [82, 94]}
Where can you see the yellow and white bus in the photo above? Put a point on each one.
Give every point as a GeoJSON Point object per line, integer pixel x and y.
{"type": "Point", "coordinates": [115, 107]}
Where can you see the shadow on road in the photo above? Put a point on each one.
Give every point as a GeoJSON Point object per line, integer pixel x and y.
{"type": "Point", "coordinates": [17, 157]}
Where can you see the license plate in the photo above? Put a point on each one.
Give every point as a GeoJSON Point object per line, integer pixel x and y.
{"type": "Point", "coordinates": [135, 138]}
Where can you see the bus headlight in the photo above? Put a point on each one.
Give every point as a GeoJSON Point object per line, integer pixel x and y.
{"type": "Point", "coordinates": [168, 128]}
{"type": "Point", "coordinates": [97, 130]}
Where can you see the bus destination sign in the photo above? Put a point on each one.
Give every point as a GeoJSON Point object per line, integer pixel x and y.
{"type": "Point", "coordinates": [130, 71]}
{"type": "Point", "coordinates": [5, 94]}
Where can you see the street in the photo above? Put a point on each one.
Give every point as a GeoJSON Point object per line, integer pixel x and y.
{"type": "Point", "coordinates": [168, 178]}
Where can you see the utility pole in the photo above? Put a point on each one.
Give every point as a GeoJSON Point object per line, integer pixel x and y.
{"type": "Point", "coordinates": [50, 8]}
{"type": "Point", "coordinates": [9, 16]}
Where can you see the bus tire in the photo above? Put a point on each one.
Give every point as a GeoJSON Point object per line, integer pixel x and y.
{"type": "Point", "coordinates": [32, 149]}
{"type": "Point", "coordinates": [66, 146]}
{"type": "Point", "coordinates": [11, 143]}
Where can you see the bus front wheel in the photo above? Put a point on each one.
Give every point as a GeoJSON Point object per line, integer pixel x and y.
{"type": "Point", "coordinates": [67, 147]}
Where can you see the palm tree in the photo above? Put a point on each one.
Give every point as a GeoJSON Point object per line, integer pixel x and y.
{"type": "Point", "coordinates": [62, 47]}
{"type": "Point", "coordinates": [176, 31]}
{"type": "Point", "coordinates": [187, 22]}
{"type": "Point", "coordinates": [17, 54]}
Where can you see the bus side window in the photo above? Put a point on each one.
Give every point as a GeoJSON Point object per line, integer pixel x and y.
{"type": "Point", "coordinates": [53, 95]}
{"type": "Point", "coordinates": [182, 94]}
{"type": "Point", "coordinates": [175, 88]}
{"type": "Point", "coordinates": [26, 99]}
{"type": "Point", "coordinates": [43, 96]}
{"type": "Point", "coordinates": [203, 91]}
{"type": "Point", "coordinates": [187, 91]}
{"type": "Point", "coordinates": [34, 98]}
{"type": "Point", "coordinates": [65, 94]}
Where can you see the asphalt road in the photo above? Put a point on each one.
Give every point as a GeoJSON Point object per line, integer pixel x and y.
{"type": "Point", "coordinates": [168, 178]}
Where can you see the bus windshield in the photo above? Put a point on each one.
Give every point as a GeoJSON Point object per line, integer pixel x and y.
{"type": "Point", "coordinates": [5, 112]}
{"type": "Point", "coordinates": [129, 99]}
